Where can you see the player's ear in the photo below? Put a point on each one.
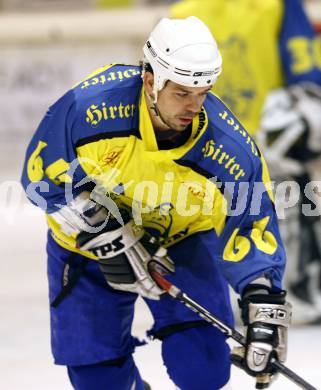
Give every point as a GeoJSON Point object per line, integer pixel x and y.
{"type": "Point", "coordinates": [148, 80]}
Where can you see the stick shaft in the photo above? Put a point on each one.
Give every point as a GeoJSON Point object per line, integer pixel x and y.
{"type": "Point", "coordinates": [176, 293]}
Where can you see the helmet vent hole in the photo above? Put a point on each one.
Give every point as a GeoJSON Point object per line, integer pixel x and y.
{"type": "Point", "coordinates": [195, 82]}
{"type": "Point", "coordinates": [208, 81]}
{"type": "Point", "coordinates": [167, 50]}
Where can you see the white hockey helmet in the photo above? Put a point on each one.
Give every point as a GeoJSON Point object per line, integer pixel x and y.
{"type": "Point", "coordinates": [183, 51]}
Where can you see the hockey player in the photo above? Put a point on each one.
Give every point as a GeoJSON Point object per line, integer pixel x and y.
{"type": "Point", "coordinates": [140, 166]}
{"type": "Point", "coordinates": [276, 88]}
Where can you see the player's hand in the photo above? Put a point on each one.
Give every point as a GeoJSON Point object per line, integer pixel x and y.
{"type": "Point", "coordinates": [267, 316]}
{"type": "Point", "coordinates": [126, 254]}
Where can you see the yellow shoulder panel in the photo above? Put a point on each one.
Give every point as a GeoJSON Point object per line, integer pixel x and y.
{"type": "Point", "coordinates": [95, 73]}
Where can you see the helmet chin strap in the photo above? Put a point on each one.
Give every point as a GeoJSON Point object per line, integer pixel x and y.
{"type": "Point", "coordinates": [155, 109]}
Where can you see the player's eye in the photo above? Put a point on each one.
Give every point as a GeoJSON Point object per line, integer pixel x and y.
{"type": "Point", "coordinates": [181, 94]}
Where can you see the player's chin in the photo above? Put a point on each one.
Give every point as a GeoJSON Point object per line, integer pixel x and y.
{"type": "Point", "coordinates": [178, 126]}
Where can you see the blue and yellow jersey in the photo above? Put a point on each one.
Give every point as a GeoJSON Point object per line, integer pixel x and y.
{"type": "Point", "coordinates": [217, 181]}
{"type": "Point", "coordinates": [264, 44]}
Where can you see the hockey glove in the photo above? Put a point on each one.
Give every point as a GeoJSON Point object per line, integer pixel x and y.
{"type": "Point", "coordinates": [125, 255]}
{"type": "Point", "coordinates": [267, 316]}
{"type": "Point", "coordinates": [290, 132]}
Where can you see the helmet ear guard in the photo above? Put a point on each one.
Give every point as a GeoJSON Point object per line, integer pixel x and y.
{"type": "Point", "coordinates": [183, 51]}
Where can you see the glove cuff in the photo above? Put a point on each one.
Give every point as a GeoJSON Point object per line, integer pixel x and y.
{"type": "Point", "coordinates": [260, 303]}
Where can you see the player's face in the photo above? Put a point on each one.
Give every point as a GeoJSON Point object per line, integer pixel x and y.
{"type": "Point", "coordinates": [178, 104]}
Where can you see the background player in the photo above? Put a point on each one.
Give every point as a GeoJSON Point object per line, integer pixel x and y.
{"type": "Point", "coordinates": [275, 92]}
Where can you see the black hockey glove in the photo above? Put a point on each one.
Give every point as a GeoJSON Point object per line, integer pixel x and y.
{"type": "Point", "coordinates": [267, 316]}
{"type": "Point", "coordinates": [125, 255]}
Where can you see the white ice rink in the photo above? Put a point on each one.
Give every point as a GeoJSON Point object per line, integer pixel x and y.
{"type": "Point", "coordinates": [25, 360]}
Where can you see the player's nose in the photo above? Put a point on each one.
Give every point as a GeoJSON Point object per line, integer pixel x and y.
{"type": "Point", "coordinates": [194, 104]}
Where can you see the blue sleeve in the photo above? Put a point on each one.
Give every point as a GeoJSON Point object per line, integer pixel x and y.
{"type": "Point", "coordinates": [300, 48]}
{"type": "Point", "coordinates": [50, 164]}
{"type": "Point", "coordinates": [250, 245]}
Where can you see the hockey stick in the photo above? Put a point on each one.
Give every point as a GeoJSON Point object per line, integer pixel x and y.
{"type": "Point", "coordinates": [176, 293]}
